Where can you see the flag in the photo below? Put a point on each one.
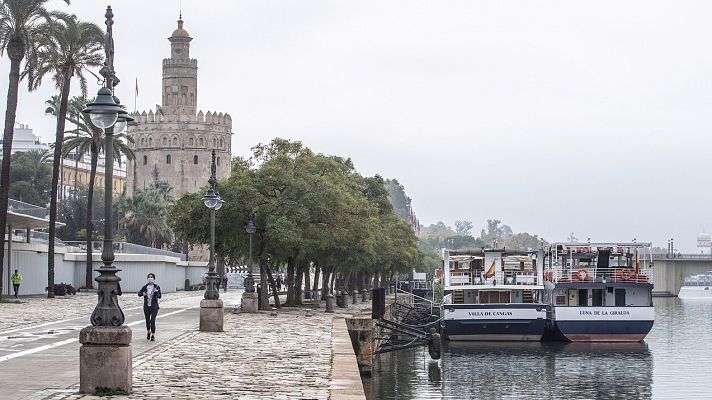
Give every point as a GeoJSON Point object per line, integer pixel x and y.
{"type": "Point", "coordinates": [136, 86]}
{"type": "Point", "coordinates": [490, 270]}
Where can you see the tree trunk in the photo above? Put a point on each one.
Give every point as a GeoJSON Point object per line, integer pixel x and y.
{"type": "Point", "coordinates": [59, 139]}
{"type": "Point", "coordinates": [262, 293]}
{"type": "Point", "coordinates": [325, 283]}
{"type": "Point", "coordinates": [290, 282]}
{"type": "Point", "coordinates": [273, 285]}
{"type": "Point", "coordinates": [89, 280]}
{"type": "Point", "coordinates": [333, 279]}
{"type": "Point", "coordinates": [307, 277]}
{"type": "Point", "coordinates": [298, 284]}
{"type": "Point", "coordinates": [16, 52]}
{"type": "Point", "coordinates": [316, 278]}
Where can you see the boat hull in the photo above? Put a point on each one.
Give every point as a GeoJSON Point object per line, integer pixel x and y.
{"type": "Point", "coordinates": [494, 322]}
{"type": "Point", "coordinates": [603, 324]}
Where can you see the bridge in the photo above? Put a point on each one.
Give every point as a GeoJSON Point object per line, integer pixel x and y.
{"type": "Point", "coordinates": [670, 270]}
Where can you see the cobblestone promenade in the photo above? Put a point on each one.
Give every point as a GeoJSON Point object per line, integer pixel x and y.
{"type": "Point", "coordinates": [40, 310]}
{"type": "Point", "coordinates": [256, 357]}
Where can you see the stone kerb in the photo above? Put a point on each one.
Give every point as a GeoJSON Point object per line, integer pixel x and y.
{"type": "Point", "coordinates": [345, 377]}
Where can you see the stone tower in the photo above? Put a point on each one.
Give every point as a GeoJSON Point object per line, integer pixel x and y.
{"type": "Point", "coordinates": [174, 143]}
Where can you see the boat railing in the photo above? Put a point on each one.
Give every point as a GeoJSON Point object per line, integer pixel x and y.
{"type": "Point", "coordinates": [464, 278]}
{"type": "Point", "coordinates": [602, 275]}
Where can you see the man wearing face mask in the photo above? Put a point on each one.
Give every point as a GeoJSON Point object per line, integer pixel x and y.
{"type": "Point", "coordinates": [151, 292]}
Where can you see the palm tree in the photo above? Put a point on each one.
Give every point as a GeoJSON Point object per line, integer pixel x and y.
{"type": "Point", "coordinates": [73, 47]}
{"type": "Point", "coordinates": [22, 24]}
{"type": "Point", "coordinates": [87, 138]}
{"type": "Point", "coordinates": [146, 215]}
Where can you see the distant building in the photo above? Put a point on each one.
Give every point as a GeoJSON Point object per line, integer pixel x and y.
{"type": "Point", "coordinates": [174, 143]}
{"type": "Point", "coordinates": [23, 139]}
{"type": "Point", "coordinates": [75, 175]}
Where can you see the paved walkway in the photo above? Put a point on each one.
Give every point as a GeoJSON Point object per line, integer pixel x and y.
{"type": "Point", "coordinates": [258, 356]}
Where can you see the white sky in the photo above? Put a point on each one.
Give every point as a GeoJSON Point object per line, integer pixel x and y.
{"type": "Point", "coordinates": [552, 116]}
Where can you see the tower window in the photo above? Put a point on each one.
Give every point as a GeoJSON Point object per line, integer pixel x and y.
{"type": "Point", "coordinates": [190, 141]}
{"type": "Point", "coordinates": [175, 141]}
{"type": "Point", "coordinates": [165, 141]}
{"type": "Point", "coordinates": [221, 143]}
{"type": "Point", "coordinates": [215, 142]}
{"type": "Point", "coordinates": [168, 159]}
{"type": "Point", "coordinates": [145, 160]}
{"type": "Point", "coordinates": [218, 160]}
{"type": "Point", "coordinates": [150, 141]}
{"type": "Point", "coordinates": [143, 141]}
{"type": "Point", "coordinates": [195, 159]}
{"type": "Point", "coordinates": [201, 142]}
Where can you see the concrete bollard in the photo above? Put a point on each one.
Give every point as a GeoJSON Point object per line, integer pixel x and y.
{"type": "Point", "coordinates": [329, 303]}
{"type": "Point", "coordinates": [309, 313]}
{"type": "Point", "coordinates": [274, 312]}
{"type": "Point", "coordinates": [354, 297]}
{"type": "Point", "coordinates": [363, 295]}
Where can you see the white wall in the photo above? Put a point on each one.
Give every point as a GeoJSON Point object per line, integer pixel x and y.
{"type": "Point", "coordinates": [70, 267]}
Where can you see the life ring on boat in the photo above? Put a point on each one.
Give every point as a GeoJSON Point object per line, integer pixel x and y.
{"type": "Point", "coordinates": [625, 274]}
{"type": "Point", "coordinates": [582, 275]}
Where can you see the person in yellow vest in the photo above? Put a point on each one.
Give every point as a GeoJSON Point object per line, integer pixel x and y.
{"type": "Point", "coordinates": [16, 279]}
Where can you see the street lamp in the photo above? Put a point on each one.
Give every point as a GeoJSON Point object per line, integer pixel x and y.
{"type": "Point", "coordinates": [250, 228]}
{"type": "Point", "coordinates": [106, 113]}
{"type": "Point", "coordinates": [212, 201]}
{"type": "Point", "coordinates": [105, 355]}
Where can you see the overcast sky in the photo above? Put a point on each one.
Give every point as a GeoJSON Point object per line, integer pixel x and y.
{"type": "Point", "coordinates": [552, 116]}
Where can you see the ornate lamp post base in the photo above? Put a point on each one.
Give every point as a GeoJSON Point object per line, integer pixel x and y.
{"type": "Point", "coordinates": [211, 315]}
{"type": "Point", "coordinates": [105, 359]}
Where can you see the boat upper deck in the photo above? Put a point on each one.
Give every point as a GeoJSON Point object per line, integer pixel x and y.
{"type": "Point", "coordinates": [622, 263]}
{"type": "Point", "coordinates": [495, 268]}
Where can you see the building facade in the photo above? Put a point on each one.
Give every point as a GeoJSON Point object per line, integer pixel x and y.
{"type": "Point", "coordinates": [23, 139]}
{"type": "Point", "coordinates": [174, 142]}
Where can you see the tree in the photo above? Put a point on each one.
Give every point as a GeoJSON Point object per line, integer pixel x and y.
{"type": "Point", "coordinates": [313, 212]}
{"type": "Point", "coordinates": [87, 138]}
{"type": "Point", "coordinates": [495, 232]}
{"type": "Point", "coordinates": [146, 215]}
{"type": "Point", "coordinates": [396, 194]}
{"type": "Point", "coordinates": [524, 242]}
{"type": "Point", "coordinates": [23, 23]}
{"type": "Point", "coordinates": [73, 212]}
{"type": "Point", "coordinates": [463, 227]}
{"type": "Point", "coordinates": [73, 47]}
{"type": "Point", "coordinates": [30, 177]}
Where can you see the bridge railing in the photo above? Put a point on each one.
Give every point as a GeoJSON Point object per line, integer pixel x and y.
{"type": "Point", "coordinates": [682, 256]}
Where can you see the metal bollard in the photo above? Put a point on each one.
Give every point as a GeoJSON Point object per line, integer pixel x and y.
{"type": "Point", "coordinates": [354, 297]}
{"type": "Point", "coordinates": [363, 295]}
{"type": "Point", "coordinates": [274, 312]}
{"type": "Point", "coordinates": [329, 303]}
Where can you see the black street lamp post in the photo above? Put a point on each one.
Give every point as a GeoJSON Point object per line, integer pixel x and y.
{"type": "Point", "coordinates": [107, 113]}
{"type": "Point", "coordinates": [105, 355]}
{"type": "Point", "coordinates": [212, 201]}
{"type": "Point", "coordinates": [250, 228]}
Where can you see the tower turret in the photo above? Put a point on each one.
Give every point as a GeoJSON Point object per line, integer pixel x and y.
{"type": "Point", "coordinates": [180, 75]}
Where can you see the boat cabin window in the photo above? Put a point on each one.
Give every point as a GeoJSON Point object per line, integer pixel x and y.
{"type": "Point", "coordinates": [494, 296]}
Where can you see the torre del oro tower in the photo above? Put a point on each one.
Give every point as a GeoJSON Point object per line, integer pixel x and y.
{"type": "Point", "coordinates": [174, 142]}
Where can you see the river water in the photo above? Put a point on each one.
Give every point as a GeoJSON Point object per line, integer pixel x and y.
{"type": "Point", "coordinates": [674, 362]}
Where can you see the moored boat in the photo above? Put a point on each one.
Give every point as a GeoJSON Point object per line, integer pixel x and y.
{"type": "Point", "coordinates": [493, 294]}
{"type": "Point", "coordinates": [599, 292]}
